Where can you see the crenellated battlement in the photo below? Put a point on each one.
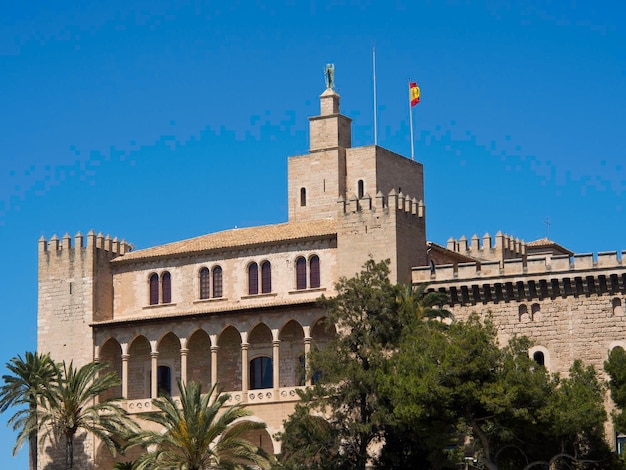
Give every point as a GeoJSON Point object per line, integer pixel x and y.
{"type": "Point", "coordinates": [487, 248]}
{"type": "Point", "coordinates": [113, 246]}
{"type": "Point", "coordinates": [536, 277]}
{"type": "Point", "coordinates": [398, 202]}
{"type": "Point", "coordinates": [530, 265]}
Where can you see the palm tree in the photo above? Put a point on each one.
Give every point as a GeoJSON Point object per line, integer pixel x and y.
{"type": "Point", "coordinates": [73, 405]}
{"type": "Point", "coordinates": [28, 385]}
{"type": "Point", "coordinates": [124, 466]}
{"type": "Point", "coordinates": [414, 300]}
{"type": "Point", "coordinates": [197, 437]}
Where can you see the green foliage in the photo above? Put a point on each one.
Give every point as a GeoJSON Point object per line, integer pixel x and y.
{"type": "Point", "coordinates": [515, 411]}
{"type": "Point", "coordinates": [72, 404]}
{"type": "Point", "coordinates": [25, 388]}
{"type": "Point", "coordinates": [365, 313]}
{"type": "Point", "coordinates": [309, 442]}
{"type": "Point", "coordinates": [429, 393]}
{"type": "Point", "coordinates": [124, 466]}
{"type": "Point", "coordinates": [197, 435]}
{"type": "Point", "coordinates": [415, 301]}
{"type": "Point", "coordinates": [615, 366]}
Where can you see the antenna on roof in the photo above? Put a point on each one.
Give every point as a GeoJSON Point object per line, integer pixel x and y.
{"type": "Point", "coordinates": [547, 222]}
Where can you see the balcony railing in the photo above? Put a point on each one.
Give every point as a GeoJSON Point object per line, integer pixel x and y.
{"type": "Point", "coordinates": [251, 397]}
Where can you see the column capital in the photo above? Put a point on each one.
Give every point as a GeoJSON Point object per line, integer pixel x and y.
{"type": "Point", "coordinates": [184, 351]}
{"type": "Point", "coordinates": [154, 354]}
{"type": "Point", "coordinates": [125, 357]}
{"type": "Point", "coordinates": [245, 346]}
{"type": "Point", "coordinates": [276, 342]}
{"type": "Point", "coordinates": [215, 348]}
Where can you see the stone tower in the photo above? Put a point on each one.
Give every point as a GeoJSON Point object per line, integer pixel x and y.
{"type": "Point", "coordinates": [375, 195]}
{"type": "Point", "coordinates": [75, 289]}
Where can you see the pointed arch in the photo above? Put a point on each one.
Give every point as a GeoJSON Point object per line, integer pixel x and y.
{"type": "Point", "coordinates": [229, 359]}
{"type": "Point", "coordinates": [111, 353]}
{"type": "Point", "coordinates": [168, 364]}
{"type": "Point", "coordinates": [199, 359]}
{"type": "Point", "coordinates": [291, 350]}
{"type": "Point", "coordinates": [139, 368]}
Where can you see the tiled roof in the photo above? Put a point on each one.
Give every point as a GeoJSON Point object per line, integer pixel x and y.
{"type": "Point", "coordinates": [547, 243]}
{"type": "Point", "coordinates": [218, 309]}
{"type": "Point", "coordinates": [451, 254]}
{"type": "Point", "coordinates": [541, 242]}
{"type": "Point", "coordinates": [238, 238]}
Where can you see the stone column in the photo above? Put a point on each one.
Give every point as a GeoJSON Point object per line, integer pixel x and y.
{"type": "Point", "coordinates": [244, 367]}
{"type": "Point", "coordinates": [183, 365]}
{"type": "Point", "coordinates": [307, 351]}
{"type": "Point", "coordinates": [154, 376]}
{"type": "Point", "coordinates": [276, 359]}
{"type": "Point", "coordinates": [214, 350]}
{"type": "Point", "coordinates": [125, 358]}
{"type": "Point", "coordinates": [276, 365]}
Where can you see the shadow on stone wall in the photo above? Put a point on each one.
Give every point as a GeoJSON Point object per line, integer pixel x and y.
{"type": "Point", "coordinates": [55, 454]}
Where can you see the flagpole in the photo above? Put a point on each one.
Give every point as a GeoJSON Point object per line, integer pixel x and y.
{"type": "Point", "coordinates": [375, 110]}
{"type": "Point", "coordinates": [411, 123]}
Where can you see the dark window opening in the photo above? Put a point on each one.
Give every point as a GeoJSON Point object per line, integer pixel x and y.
{"type": "Point", "coordinates": [539, 358]}
{"type": "Point", "coordinates": [166, 287]}
{"type": "Point", "coordinates": [314, 267]}
{"type": "Point", "coordinates": [301, 273]}
{"type": "Point", "coordinates": [164, 380]}
{"type": "Point", "coordinates": [253, 279]}
{"type": "Point", "coordinates": [522, 310]}
{"type": "Point", "coordinates": [261, 373]}
{"type": "Point", "coordinates": [217, 282]}
{"type": "Point", "coordinates": [154, 289]}
{"type": "Point", "coordinates": [360, 190]}
{"type": "Point", "coordinates": [205, 285]}
{"type": "Point", "coordinates": [266, 277]}
{"type": "Point", "coordinates": [303, 197]}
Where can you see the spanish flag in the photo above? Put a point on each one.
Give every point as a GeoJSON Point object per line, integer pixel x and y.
{"type": "Point", "coordinates": [414, 93]}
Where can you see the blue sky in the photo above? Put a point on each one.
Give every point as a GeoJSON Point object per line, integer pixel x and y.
{"type": "Point", "coordinates": [157, 121]}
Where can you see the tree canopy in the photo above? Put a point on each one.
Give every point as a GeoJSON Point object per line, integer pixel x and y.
{"type": "Point", "coordinates": [26, 387]}
{"type": "Point", "coordinates": [398, 388]}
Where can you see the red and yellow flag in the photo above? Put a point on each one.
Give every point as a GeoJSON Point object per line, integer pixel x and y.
{"type": "Point", "coordinates": [414, 93]}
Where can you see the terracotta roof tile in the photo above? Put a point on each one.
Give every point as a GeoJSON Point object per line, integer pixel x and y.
{"type": "Point", "coordinates": [209, 310]}
{"type": "Point", "coordinates": [547, 243]}
{"type": "Point", "coordinates": [238, 238]}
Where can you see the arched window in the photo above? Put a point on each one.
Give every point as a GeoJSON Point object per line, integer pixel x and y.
{"type": "Point", "coordinates": [154, 289]}
{"type": "Point", "coordinates": [616, 303]}
{"type": "Point", "coordinates": [539, 358]}
{"type": "Point", "coordinates": [300, 273]}
{"type": "Point", "coordinates": [361, 189]}
{"type": "Point", "coordinates": [314, 275]}
{"type": "Point", "coordinates": [217, 282]}
{"type": "Point", "coordinates": [522, 310]}
{"type": "Point", "coordinates": [266, 277]}
{"type": "Point", "coordinates": [166, 287]}
{"type": "Point", "coordinates": [253, 279]}
{"type": "Point", "coordinates": [261, 373]}
{"type": "Point", "coordinates": [302, 197]}
{"type": "Point", "coordinates": [534, 310]}
{"type": "Point", "coordinates": [164, 380]}
{"type": "Point", "coordinates": [205, 285]}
